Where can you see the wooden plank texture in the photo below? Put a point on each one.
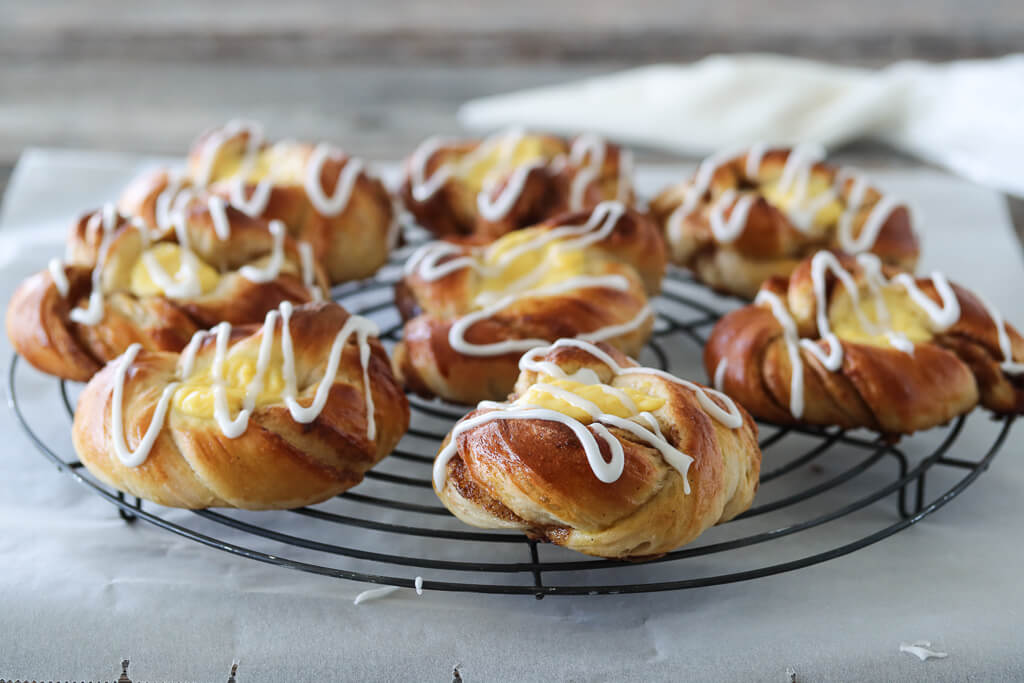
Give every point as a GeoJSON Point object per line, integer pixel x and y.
{"type": "Point", "coordinates": [377, 77]}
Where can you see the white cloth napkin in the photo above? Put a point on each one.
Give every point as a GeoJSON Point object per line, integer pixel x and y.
{"type": "Point", "coordinates": [961, 115]}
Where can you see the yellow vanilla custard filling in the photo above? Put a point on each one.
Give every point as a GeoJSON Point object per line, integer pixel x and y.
{"type": "Point", "coordinates": [608, 399]}
{"type": "Point", "coordinates": [534, 268]}
{"type": "Point", "coordinates": [195, 396]}
{"type": "Point", "coordinates": [506, 155]}
{"type": "Point", "coordinates": [285, 164]}
{"type": "Point", "coordinates": [902, 316]}
{"type": "Point", "coordinates": [787, 200]}
{"type": "Point", "coordinates": [169, 257]}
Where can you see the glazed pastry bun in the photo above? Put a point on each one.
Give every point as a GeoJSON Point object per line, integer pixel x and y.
{"type": "Point", "coordinates": [125, 285]}
{"type": "Point", "coordinates": [847, 341]}
{"type": "Point", "coordinates": [323, 196]}
{"type": "Point", "coordinates": [511, 180]}
{"type": "Point", "coordinates": [600, 455]}
{"type": "Point", "coordinates": [281, 415]}
{"type": "Point", "coordinates": [472, 310]}
{"type": "Point", "coordinates": [750, 215]}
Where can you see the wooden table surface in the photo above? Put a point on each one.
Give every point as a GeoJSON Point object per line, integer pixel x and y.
{"type": "Point", "coordinates": [379, 77]}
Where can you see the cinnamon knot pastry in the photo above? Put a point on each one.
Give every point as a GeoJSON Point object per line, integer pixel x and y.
{"type": "Point", "coordinates": [747, 216]}
{"type": "Point", "coordinates": [258, 417]}
{"type": "Point", "coordinates": [323, 196]}
{"type": "Point", "coordinates": [511, 180]}
{"type": "Point", "coordinates": [599, 455]}
{"type": "Point", "coordinates": [472, 310]}
{"type": "Point", "coordinates": [847, 341]}
{"type": "Point", "coordinates": [124, 285]}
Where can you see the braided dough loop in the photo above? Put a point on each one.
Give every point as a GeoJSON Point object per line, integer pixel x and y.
{"type": "Point", "coordinates": [276, 462]}
{"type": "Point", "coordinates": [608, 304]}
{"type": "Point", "coordinates": [533, 474]}
{"type": "Point", "coordinates": [750, 215]}
{"type": "Point", "coordinates": [527, 178]}
{"type": "Point", "coordinates": [69, 319]}
{"type": "Point", "coordinates": [891, 387]}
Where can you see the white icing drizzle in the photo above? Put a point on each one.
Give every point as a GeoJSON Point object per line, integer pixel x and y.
{"type": "Point", "coordinates": [222, 226]}
{"type": "Point", "coordinates": [273, 267]}
{"type": "Point", "coordinates": [219, 137]}
{"type": "Point", "coordinates": [419, 585]}
{"type": "Point", "coordinates": [1005, 346]}
{"type": "Point", "coordinates": [426, 264]}
{"type": "Point", "coordinates": [497, 208]}
{"type": "Point", "coordinates": [606, 471]}
{"type": "Point", "coordinates": [187, 359]}
{"type": "Point", "coordinates": [423, 188]}
{"type": "Point", "coordinates": [308, 273]}
{"type": "Point", "coordinates": [719, 379]}
{"type": "Point", "coordinates": [256, 203]}
{"type": "Point", "coordinates": [941, 316]}
{"type": "Point", "coordinates": [795, 177]}
{"type": "Point", "coordinates": [647, 429]}
{"type": "Point", "coordinates": [796, 172]}
{"type": "Point", "coordinates": [922, 650]}
{"type": "Point", "coordinates": [136, 457]}
{"type": "Point", "coordinates": [362, 328]}
{"type": "Point", "coordinates": [587, 146]}
{"type": "Point", "coordinates": [336, 203]}
{"type": "Point", "coordinates": [375, 594]}
{"type": "Point", "coordinates": [93, 312]}
{"type": "Point", "coordinates": [234, 427]}
{"type": "Point", "coordinates": [60, 278]}
{"type": "Point", "coordinates": [184, 284]}
{"type": "Point", "coordinates": [872, 226]}
{"type": "Point", "coordinates": [730, 416]}
{"type": "Point", "coordinates": [425, 261]}
{"type": "Point", "coordinates": [755, 155]}
{"type": "Point", "coordinates": [457, 332]}
{"type": "Point", "coordinates": [219, 214]}
{"type": "Point", "coordinates": [167, 198]}
{"type": "Point", "coordinates": [588, 152]}
{"type": "Point", "coordinates": [727, 231]}
{"type": "Point", "coordinates": [789, 334]}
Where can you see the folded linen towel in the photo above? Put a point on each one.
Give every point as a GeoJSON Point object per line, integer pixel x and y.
{"type": "Point", "coordinates": [963, 115]}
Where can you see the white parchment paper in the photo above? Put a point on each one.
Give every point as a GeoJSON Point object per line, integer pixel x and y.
{"type": "Point", "coordinates": [80, 589]}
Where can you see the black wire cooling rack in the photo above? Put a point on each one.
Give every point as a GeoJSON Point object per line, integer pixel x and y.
{"type": "Point", "coordinates": [824, 492]}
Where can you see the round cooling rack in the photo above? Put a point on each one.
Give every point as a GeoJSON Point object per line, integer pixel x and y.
{"type": "Point", "coordinates": [824, 492]}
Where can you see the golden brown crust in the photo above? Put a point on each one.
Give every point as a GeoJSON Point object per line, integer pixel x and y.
{"type": "Point", "coordinates": [770, 244]}
{"type": "Point", "coordinates": [533, 475]}
{"type": "Point", "coordinates": [551, 187]}
{"type": "Point", "coordinates": [430, 366]}
{"type": "Point", "coordinates": [350, 245]}
{"type": "Point", "coordinates": [877, 387]}
{"type": "Point", "coordinates": [39, 322]}
{"type": "Point", "coordinates": [277, 462]}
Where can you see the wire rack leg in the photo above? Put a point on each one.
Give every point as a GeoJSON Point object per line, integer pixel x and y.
{"type": "Point", "coordinates": [901, 501]}
{"type": "Point", "coordinates": [537, 580]}
{"type": "Point", "coordinates": [127, 515]}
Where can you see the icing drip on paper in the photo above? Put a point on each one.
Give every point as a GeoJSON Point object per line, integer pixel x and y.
{"type": "Point", "coordinates": [922, 650]}
{"type": "Point", "coordinates": [375, 594]}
